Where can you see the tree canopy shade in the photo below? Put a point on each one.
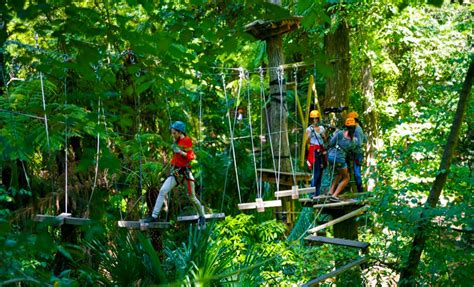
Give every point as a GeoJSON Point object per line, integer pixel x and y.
{"type": "Point", "coordinates": [109, 77]}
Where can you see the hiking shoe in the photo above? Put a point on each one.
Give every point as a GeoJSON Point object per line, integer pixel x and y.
{"type": "Point", "coordinates": [201, 223]}
{"type": "Point", "coordinates": [149, 219]}
{"type": "Point", "coordinates": [334, 199]}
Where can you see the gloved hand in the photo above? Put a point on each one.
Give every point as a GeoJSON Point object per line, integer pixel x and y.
{"type": "Point", "coordinates": [176, 149]}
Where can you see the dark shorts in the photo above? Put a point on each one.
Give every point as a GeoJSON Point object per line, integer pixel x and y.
{"type": "Point", "coordinates": [339, 164]}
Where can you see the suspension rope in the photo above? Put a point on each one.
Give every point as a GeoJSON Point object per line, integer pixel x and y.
{"type": "Point", "coordinates": [269, 132]}
{"type": "Point", "coordinates": [65, 147]}
{"type": "Point", "coordinates": [295, 76]}
{"type": "Point", "coordinates": [280, 72]}
{"type": "Point", "coordinates": [231, 137]}
{"type": "Point", "coordinates": [259, 195]}
{"type": "Point", "coordinates": [280, 84]}
{"type": "Point", "coordinates": [99, 108]}
{"type": "Point", "coordinates": [199, 78]}
{"type": "Point", "coordinates": [43, 98]}
{"type": "Point", "coordinates": [262, 107]}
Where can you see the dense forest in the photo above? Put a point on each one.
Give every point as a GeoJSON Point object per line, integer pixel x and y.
{"type": "Point", "coordinates": [89, 90]}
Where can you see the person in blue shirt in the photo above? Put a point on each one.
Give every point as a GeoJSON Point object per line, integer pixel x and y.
{"type": "Point", "coordinates": [341, 144]}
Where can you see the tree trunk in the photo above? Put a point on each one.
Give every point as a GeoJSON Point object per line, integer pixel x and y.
{"type": "Point", "coordinates": [277, 108]}
{"type": "Point", "coordinates": [371, 127]}
{"type": "Point", "coordinates": [338, 83]}
{"type": "Point", "coordinates": [409, 270]}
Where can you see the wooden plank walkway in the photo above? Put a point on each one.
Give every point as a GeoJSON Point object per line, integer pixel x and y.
{"type": "Point", "coordinates": [142, 225]}
{"type": "Point", "coordinates": [196, 217]}
{"type": "Point", "coordinates": [63, 218]}
{"type": "Point", "coordinates": [259, 204]}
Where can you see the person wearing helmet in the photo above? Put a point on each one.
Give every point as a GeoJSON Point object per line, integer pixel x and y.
{"type": "Point", "coordinates": [316, 157]}
{"type": "Point", "coordinates": [342, 143]}
{"type": "Point", "coordinates": [358, 155]}
{"type": "Point", "coordinates": [183, 154]}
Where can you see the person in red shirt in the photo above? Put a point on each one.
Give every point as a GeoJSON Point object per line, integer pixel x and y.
{"type": "Point", "coordinates": [183, 154]}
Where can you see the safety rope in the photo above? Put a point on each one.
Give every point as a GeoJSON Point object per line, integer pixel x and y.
{"type": "Point", "coordinates": [65, 145]}
{"type": "Point", "coordinates": [259, 194]}
{"type": "Point", "coordinates": [262, 137]}
{"type": "Point", "coordinates": [44, 99]}
{"type": "Point", "coordinates": [295, 77]}
{"type": "Point", "coordinates": [96, 169]}
{"type": "Point", "coordinates": [269, 132]}
{"type": "Point", "coordinates": [231, 137]}
{"type": "Point", "coordinates": [280, 85]}
{"type": "Point", "coordinates": [46, 120]}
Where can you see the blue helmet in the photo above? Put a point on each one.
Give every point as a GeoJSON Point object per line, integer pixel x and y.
{"type": "Point", "coordinates": [179, 126]}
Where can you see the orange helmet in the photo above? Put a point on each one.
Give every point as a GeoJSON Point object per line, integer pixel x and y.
{"type": "Point", "coordinates": [354, 115]}
{"type": "Point", "coordinates": [350, 122]}
{"type": "Point", "coordinates": [314, 114]}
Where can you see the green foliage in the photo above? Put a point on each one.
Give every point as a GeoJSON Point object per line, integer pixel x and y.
{"type": "Point", "coordinates": [418, 55]}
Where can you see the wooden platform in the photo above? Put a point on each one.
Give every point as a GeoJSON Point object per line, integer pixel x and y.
{"type": "Point", "coordinates": [338, 241]}
{"type": "Point", "coordinates": [143, 226]}
{"type": "Point", "coordinates": [340, 204]}
{"type": "Point", "coordinates": [264, 29]}
{"type": "Point", "coordinates": [63, 218]}
{"type": "Point", "coordinates": [196, 217]}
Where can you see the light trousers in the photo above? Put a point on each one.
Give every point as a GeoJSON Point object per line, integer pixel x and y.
{"type": "Point", "coordinates": [169, 184]}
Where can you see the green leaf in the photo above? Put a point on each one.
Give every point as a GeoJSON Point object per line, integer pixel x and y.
{"type": "Point", "coordinates": [64, 252]}
{"type": "Point", "coordinates": [155, 260]}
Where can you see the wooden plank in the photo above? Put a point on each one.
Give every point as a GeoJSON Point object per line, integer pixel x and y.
{"type": "Point", "coordinates": [49, 219]}
{"type": "Point", "coordinates": [339, 219]}
{"type": "Point", "coordinates": [141, 225]}
{"type": "Point", "coordinates": [338, 204]}
{"type": "Point", "coordinates": [63, 218]}
{"type": "Point", "coordinates": [338, 241]}
{"type": "Point", "coordinates": [289, 192]}
{"type": "Point", "coordinates": [336, 272]}
{"type": "Point", "coordinates": [253, 205]}
{"type": "Point", "coordinates": [76, 220]}
{"type": "Point", "coordinates": [316, 198]}
{"type": "Point", "coordinates": [196, 217]}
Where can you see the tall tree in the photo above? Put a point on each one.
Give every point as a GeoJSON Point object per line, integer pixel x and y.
{"type": "Point", "coordinates": [277, 108]}
{"type": "Point", "coordinates": [409, 270]}
{"type": "Point", "coordinates": [338, 83]}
